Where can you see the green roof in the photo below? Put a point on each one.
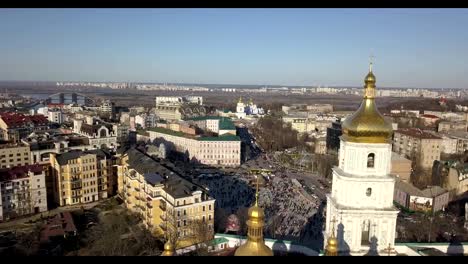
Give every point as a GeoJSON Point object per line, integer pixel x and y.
{"type": "Point", "coordinates": [219, 240]}
{"type": "Point", "coordinates": [225, 123]}
{"type": "Point", "coordinates": [225, 137]}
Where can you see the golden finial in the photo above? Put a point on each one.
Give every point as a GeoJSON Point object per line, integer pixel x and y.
{"type": "Point", "coordinates": [371, 61]}
{"type": "Point", "coordinates": [256, 192]}
{"type": "Point", "coordinates": [333, 226]}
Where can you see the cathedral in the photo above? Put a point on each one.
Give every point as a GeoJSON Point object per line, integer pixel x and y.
{"type": "Point", "coordinates": [360, 211]}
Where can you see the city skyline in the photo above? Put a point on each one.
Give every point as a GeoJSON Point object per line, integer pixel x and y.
{"type": "Point", "coordinates": [420, 48]}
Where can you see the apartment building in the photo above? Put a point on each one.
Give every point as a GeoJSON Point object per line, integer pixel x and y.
{"type": "Point", "coordinates": [167, 202]}
{"type": "Point", "coordinates": [418, 145]}
{"type": "Point", "coordinates": [14, 154]}
{"type": "Point", "coordinates": [23, 191]}
{"type": "Point", "coordinates": [224, 150]}
{"type": "Point", "coordinates": [82, 176]}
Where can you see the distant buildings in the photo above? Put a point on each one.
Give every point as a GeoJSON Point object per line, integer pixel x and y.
{"type": "Point", "coordinates": [333, 136]}
{"type": "Point", "coordinates": [216, 124]}
{"type": "Point", "coordinates": [23, 191]}
{"type": "Point", "coordinates": [419, 145]}
{"type": "Point", "coordinates": [99, 134]}
{"type": "Point", "coordinates": [177, 108]}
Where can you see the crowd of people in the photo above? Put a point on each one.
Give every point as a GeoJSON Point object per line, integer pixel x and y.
{"type": "Point", "coordinates": [289, 212]}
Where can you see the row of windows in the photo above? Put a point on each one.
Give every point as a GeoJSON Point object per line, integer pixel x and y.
{"type": "Point", "coordinates": [17, 154]}
{"type": "Point", "coordinates": [185, 221]}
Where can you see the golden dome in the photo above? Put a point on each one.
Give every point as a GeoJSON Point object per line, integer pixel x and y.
{"type": "Point", "coordinates": [332, 244]}
{"type": "Point", "coordinates": [168, 249]}
{"type": "Point", "coordinates": [367, 125]}
{"type": "Point", "coordinates": [256, 213]}
{"type": "Point", "coordinates": [255, 245]}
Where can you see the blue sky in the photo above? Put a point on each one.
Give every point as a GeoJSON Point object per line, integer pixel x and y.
{"type": "Point", "coordinates": [412, 47]}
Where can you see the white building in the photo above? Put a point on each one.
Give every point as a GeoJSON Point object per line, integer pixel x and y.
{"type": "Point", "coordinates": [240, 109]}
{"type": "Point", "coordinates": [55, 115]}
{"type": "Point", "coordinates": [360, 207]}
{"type": "Point", "coordinates": [23, 191]}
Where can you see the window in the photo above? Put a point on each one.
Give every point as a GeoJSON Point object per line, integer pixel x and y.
{"type": "Point", "coordinates": [209, 217]}
{"type": "Point", "coordinates": [185, 212]}
{"type": "Point", "coordinates": [370, 160]}
{"type": "Point", "coordinates": [209, 207]}
{"type": "Point", "coordinates": [369, 191]}
{"type": "Point", "coordinates": [203, 218]}
{"type": "Point", "coordinates": [185, 222]}
{"type": "Point", "coordinates": [203, 208]}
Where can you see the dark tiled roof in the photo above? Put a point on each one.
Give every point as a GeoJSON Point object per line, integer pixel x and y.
{"type": "Point", "coordinates": [19, 172]}
{"type": "Point", "coordinates": [63, 159]}
{"type": "Point", "coordinates": [155, 172]}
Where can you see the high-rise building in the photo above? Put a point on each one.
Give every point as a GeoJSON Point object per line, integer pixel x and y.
{"type": "Point", "coordinates": [361, 199]}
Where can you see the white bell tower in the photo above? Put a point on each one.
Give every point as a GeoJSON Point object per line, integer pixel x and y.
{"type": "Point", "coordinates": [361, 199]}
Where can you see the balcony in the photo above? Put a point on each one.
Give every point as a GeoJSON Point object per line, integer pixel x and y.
{"type": "Point", "coordinates": [162, 207]}
{"type": "Point", "coordinates": [76, 186]}
{"type": "Point", "coordinates": [149, 205]}
{"type": "Point", "coordinates": [163, 226]}
{"type": "Point", "coordinates": [137, 189]}
{"type": "Point", "coordinates": [163, 217]}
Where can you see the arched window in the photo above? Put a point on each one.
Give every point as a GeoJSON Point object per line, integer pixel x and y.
{"type": "Point", "coordinates": [370, 160]}
{"type": "Point", "coordinates": [369, 191]}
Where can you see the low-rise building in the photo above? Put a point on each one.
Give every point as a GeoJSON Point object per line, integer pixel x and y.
{"type": "Point", "coordinates": [23, 191]}
{"type": "Point", "coordinates": [82, 176]}
{"type": "Point", "coordinates": [431, 199]}
{"type": "Point", "coordinates": [167, 202]}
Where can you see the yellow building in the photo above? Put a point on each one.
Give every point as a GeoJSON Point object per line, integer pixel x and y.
{"type": "Point", "coordinates": [167, 203]}
{"type": "Point", "coordinates": [12, 155]}
{"type": "Point", "coordinates": [82, 176]}
{"type": "Point", "coordinates": [418, 145]}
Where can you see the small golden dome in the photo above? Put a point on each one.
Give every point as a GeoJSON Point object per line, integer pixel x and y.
{"type": "Point", "coordinates": [168, 249]}
{"type": "Point", "coordinates": [256, 212]}
{"type": "Point", "coordinates": [255, 245]}
{"type": "Point", "coordinates": [367, 125]}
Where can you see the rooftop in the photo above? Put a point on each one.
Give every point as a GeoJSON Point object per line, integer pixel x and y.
{"type": "Point", "coordinates": [63, 159]}
{"type": "Point", "coordinates": [19, 172]}
{"type": "Point", "coordinates": [155, 173]}
{"type": "Point", "coordinates": [14, 120]}
{"type": "Point", "coordinates": [430, 192]}
{"type": "Point", "coordinates": [417, 133]}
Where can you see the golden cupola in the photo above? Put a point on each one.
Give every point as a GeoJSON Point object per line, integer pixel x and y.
{"type": "Point", "coordinates": [367, 125]}
{"type": "Point", "coordinates": [168, 250]}
{"type": "Point", "coordinates": [332, 243]}
{"type": "Point", "coordinates": [255, 245]}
